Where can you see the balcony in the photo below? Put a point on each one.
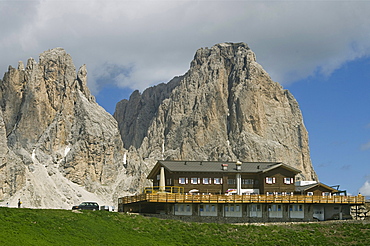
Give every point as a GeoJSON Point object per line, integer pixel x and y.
{"type": "Point", "coordinates": [163, 197]}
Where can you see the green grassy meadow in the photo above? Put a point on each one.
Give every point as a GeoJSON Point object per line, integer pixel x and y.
{"type": "Point", "coordinates": [64, 227]}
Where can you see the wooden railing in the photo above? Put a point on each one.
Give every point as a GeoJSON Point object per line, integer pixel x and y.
{"type": "Point", "coordinates": [189, 198]}
{"type": "Point", "coordinates": [167, 189]}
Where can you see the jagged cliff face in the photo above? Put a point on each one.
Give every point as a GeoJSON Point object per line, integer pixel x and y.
{"type": "Point", "coordinates": [226, 107]}
{"type": "Point", "coordinates": [58, 146]}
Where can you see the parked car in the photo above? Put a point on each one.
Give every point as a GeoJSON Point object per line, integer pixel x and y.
{"type": "Point", "coordinates": [87, 206]}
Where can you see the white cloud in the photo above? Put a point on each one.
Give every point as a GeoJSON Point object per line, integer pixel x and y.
{"type": "Point", "coordinates": [146, 42]}
{"type": "Point", "coordinates": [365, 189]}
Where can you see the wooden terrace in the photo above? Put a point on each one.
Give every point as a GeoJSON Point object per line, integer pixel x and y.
{"type": "Point", "coordinates": [195, 198]}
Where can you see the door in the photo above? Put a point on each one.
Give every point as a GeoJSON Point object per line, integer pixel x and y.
{"type": "Point", "coordinates": [318, 212]}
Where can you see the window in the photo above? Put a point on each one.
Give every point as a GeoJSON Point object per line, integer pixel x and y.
{"type": "Point", "coordinates": [207, 208]}
{"type": "Point", "coordinates": [296, 208]}
{"type": "Point", "coordinates": [256, 207]}
{"type": "Point", "coordinates": [274, 207]}
{"type": "Point", "coordinates": [217, 180]}
{"type": "Point", "coordinates": [237, 208]}
{"type": "Point", "coordinates": [270, 180]}
{"type": "Point", "coordinates": [288, 180]}
{"type": "Point", "coordinates": [326, 194]}
{"type": "Point", "coordinates": [194, 180]}
{"type": "Point", "coordinates": [247, 181]}
{"type": "Point", "coordinates": [310, 193]}
{"type": "Point", "coordinates": [231, 181]}
{"type": "Point", "coordinates": [226, 208]}
{"type": "Point", "coordinates": [187, 208]}
{"type": "Point", "coordinates": [182, 181]}
{"type": "Point", "coordinates": [206, 181]}
{"type": "Point", "coordinates": [213, 208]}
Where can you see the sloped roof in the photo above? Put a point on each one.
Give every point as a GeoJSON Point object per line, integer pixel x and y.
{"type": "Point", "coordinates": [307, 187]}
{"type": "Point", "coordinates": [216, 166]}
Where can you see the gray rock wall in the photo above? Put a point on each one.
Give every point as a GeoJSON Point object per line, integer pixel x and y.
{"type": "Point", "coordinates": [226, 107]}
{"type": "Point", "coordinates": [58, 147]}
{"type": "Point", "coordinates": [67, 147]}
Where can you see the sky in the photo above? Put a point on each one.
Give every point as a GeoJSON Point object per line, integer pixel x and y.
{"type": "Point", "coordinates": [319, 50]}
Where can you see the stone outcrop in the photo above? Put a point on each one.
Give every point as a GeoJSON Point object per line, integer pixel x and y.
{"type": "Point", "coordinates": [58, 146]}
{"type": "Point", "coordinates": [226, 107]}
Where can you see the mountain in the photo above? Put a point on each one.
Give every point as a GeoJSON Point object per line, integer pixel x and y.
{"type": "Point", "coordinates": [225, 108]}
{"type": "Point", "coordinates": [58, 146]}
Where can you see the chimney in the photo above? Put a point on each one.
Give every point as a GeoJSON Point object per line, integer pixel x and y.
{"type": "Point", "coordinates": [224, 166]}
{"type": "Point", "coordinates": [238, 166]}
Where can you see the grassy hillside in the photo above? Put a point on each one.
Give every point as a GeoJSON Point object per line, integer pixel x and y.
{"type": "Point", "coordinates": [62, 227]}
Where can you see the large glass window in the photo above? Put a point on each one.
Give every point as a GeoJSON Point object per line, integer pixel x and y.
{"type": "Point", "coordinates": [231, 181]}
{"type": "Point", "coordinates": [182, 181]}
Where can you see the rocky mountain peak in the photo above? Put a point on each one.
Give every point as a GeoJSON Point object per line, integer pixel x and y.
{"type": "Point", "coordinates": [67, 147]}
{"type": "Point", "coordinates": [58, 147]}
{"type": "Point", "coordinates": [225, 108]}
